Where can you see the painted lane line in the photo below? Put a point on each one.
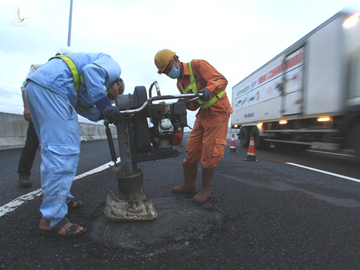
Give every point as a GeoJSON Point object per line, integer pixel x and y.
{"type": "Point", "coordinates": [14, 204]}
{"type": "Point", "coordinates": [330, 153]}
{"type": "Point", "coordinates": [96, 170]}
{"type": "Point", "coordinates": [325, 172]}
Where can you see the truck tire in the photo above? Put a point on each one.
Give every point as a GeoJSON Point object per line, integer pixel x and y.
{"type": "Point", "coordinates": [244, 137]}
{"type": "Point", "coordinates": [259, 142]}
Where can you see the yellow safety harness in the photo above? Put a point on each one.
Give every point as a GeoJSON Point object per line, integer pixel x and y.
{"type": "Point", "coordinates": [76, 76]}
{"type": "Point", "coordinates": [73, 69]}
{"type": "Point", "coordinates": [193, 88]}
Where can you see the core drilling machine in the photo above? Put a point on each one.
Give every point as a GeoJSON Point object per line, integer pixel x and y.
{"type": "Point", "coordinates": [138, 143]}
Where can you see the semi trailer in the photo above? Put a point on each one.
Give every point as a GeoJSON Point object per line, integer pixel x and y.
{"type": "Point", "coordinates": [307, 94]}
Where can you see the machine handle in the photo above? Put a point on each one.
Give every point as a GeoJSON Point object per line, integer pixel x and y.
{"type": "Point", "coordinates": [110, 141]}
{"type": "Point", "coordinates": [157, 89]}
{"type": "Point", "coordinates": [194, 96]}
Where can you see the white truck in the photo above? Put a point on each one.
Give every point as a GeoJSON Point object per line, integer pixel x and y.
{"type": "Point", "coordinates": [308, 93]}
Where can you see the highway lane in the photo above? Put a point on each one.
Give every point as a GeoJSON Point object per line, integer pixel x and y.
{"type": "Point", "coordinates": [93, 154]}
{"type": "Point", "coordinates": [305, 171]}
{"type": "Point", "coordinates": [266, 215]}
{"type": "Point", "coordinates": [345, 167]}
{"type": "Point", "coordinates": [96, 153]}
{"type": "Point", "coordinates": [309, 167]}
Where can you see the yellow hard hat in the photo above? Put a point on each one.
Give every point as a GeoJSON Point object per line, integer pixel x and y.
{"type": "Point", "coordinates": [162, 59]}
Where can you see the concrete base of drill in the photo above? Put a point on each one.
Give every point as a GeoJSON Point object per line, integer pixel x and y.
{"type": "Point", "coordinates": [131, 204]}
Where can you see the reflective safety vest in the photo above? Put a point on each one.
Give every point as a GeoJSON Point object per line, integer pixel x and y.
{"type": "Point", "coordinates": [76, 76]}
{"type": "Point", "coordinates": [75, 73]}
{"type": "Point", "coordinates": [193, 88]}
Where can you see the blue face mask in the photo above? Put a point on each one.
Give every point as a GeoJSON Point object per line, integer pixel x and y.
{"type": "Point", "coordinates": [174, 73]}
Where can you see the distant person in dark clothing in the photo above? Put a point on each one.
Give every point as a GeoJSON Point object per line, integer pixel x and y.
{"type": "Point", "coordinates": [32, 142]}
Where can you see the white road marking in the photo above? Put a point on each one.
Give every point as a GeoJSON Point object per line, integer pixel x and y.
{"type": "Point", "coordinates": [14, 204]}
{"type": "Point", "coordinates": [325, 172]}
{"type": "Point", "coordinates": [331, 153]}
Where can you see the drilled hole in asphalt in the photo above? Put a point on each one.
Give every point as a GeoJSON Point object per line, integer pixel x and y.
{"type": "Point", "coordinates": [179, 220]}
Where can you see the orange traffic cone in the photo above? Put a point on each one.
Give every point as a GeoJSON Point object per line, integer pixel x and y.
{"type": "Point", "coordinates": [251, 151]}
{"type": "Point", "coordinates": [232, 144]}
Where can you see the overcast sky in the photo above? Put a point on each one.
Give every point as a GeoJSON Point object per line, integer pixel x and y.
{"type": "Point", "coordinates": [235, 36]}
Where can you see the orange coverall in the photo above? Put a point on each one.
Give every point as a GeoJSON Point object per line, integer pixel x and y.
{"type": "Point", "coordinates": [207, 139]}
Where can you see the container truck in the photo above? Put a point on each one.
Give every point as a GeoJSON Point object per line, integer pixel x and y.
{"type": "Point", "coordinates": [308, 94]}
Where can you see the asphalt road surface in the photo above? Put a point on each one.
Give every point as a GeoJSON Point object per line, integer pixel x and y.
{"type": "Point", "coordinates": [289, 210]}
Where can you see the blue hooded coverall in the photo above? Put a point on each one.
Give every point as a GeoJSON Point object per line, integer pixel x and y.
{"type": "Point", "coordinates": [54, 105]}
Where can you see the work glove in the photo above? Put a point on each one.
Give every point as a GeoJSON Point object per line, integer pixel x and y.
{"type": "Point", "coordinates": [184, 100]}
{"type": "Point", "coordinates": [111, 113]}
{"type": "Point", "coordinates": [206, 94]}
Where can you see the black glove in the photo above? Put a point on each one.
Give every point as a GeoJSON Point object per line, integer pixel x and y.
{"type": "Point", "coordinates": [111, 113]}
{"type": "Point", "coordinates": [206, 94]}
{"type": "Point", "coordinates": [184, 100]}
{"type": "Point", "coordinates": [101, 116]}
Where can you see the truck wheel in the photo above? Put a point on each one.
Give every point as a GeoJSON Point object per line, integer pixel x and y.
{"type": "Point", "coordinates": [244, 137]}
{"type": "Point", "coordinates": [259, 142]}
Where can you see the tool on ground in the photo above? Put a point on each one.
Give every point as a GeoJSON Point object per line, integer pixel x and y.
{"type": "Point", "coordinates": [139, 143]}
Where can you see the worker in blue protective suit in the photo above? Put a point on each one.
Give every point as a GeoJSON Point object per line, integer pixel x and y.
{"type": "Point", "coordinates": [67, 85]}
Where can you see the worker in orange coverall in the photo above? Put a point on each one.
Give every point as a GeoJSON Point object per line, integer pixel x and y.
{"type": "Point", "coordinates": [208, 137]}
